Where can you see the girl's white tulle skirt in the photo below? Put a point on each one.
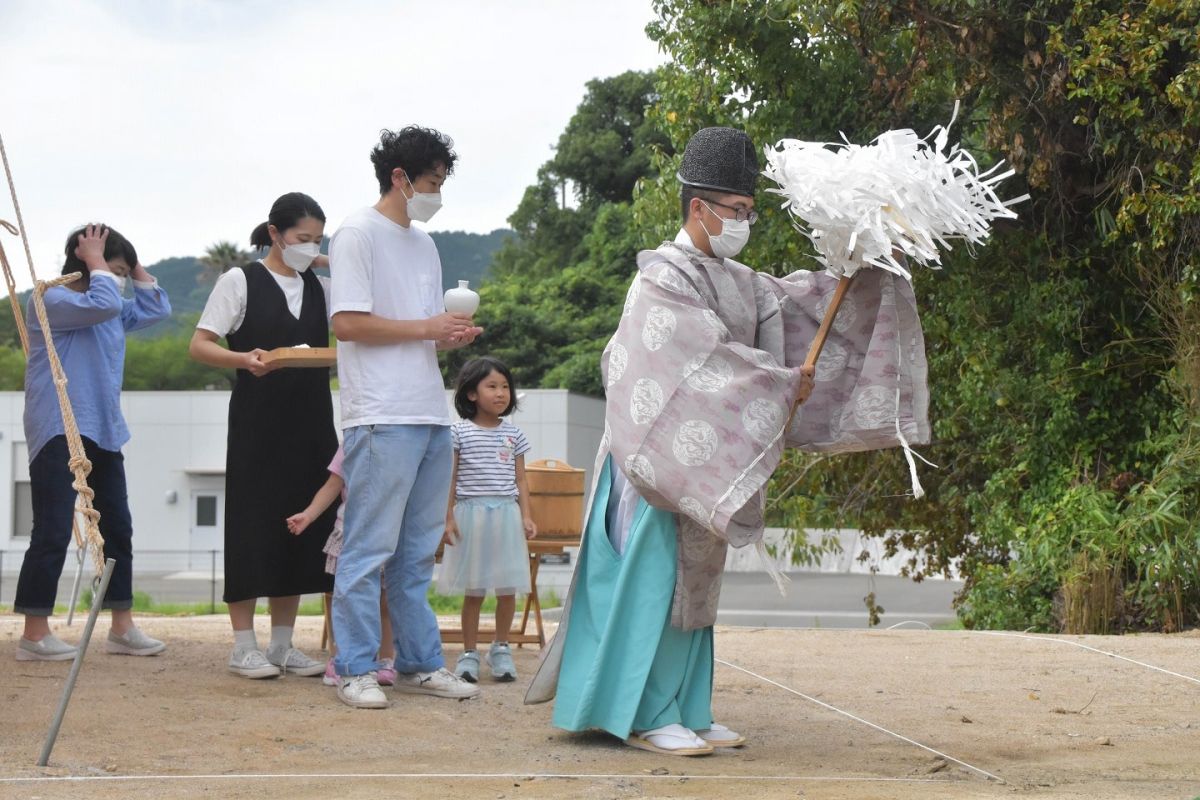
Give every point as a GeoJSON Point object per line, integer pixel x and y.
{"type": "Point", "coordinates": [491, 553]}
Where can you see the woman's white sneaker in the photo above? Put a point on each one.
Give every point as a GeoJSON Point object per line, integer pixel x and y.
{"type": "Point", "coordinates": [48, 648]}
{"type": "Point", "coordinates": [251, 663]}
{"type": "Point", "coordinates": [133, 643]}
{"type": "Point", "coordinates": [289, 659]}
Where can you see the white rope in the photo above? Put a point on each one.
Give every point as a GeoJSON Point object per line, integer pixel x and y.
{"type": "Point", "coordinates": [868, 723]}
{"type": "Point", "coordinates": [89, 535]}
{"type": "Point", "coordinates": [898, 625]}
{"type": "Point", "coordinates": [1092, 649]}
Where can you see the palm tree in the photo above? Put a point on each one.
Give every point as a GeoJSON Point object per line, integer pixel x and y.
{"type": "Point", "coordinates": [219, 258]}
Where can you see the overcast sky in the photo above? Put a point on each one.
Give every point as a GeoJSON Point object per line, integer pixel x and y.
{"type": "Point", "coordinates": [180, 121]}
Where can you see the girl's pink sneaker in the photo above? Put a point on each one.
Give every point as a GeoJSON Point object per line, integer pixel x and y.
{"type": "Point", "coordinates": [386, 676]}
{"type": "Point", "coordinates": [331, 677]}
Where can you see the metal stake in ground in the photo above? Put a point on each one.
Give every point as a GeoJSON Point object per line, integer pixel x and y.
{"type": "Point", "coordinates": [79, 557]}
{"type": "Point", "coordinates": [97, 596]}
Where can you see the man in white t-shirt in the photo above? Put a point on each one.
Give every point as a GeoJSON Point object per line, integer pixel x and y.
{"type": "Point", "coordinates": [390, 322]}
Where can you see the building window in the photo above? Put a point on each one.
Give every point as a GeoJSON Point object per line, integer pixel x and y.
{"type": "Point", "coordinates": [206, 510]}
{"type": "Point", "coordinates": [22, 492]}
{"type": "Point", "coordinates": [22, 509]}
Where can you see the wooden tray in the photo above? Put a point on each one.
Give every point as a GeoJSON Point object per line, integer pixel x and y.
{"type": "Point", "coordinates": [301, 357]}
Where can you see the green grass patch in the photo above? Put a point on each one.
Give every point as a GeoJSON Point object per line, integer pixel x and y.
{"type": "Point", "coordinates": [443, 605]}
{"type": "Point", "coordinates": [952, 625]}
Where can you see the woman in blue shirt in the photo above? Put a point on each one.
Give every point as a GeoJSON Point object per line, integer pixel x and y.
{"type": "Point", "coordinates": [88, 319]}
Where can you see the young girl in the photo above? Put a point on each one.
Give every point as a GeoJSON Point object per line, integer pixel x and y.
{"type": "Point", "coordinates": [335, 486]}
{"type": "Point", "coordinates": [488, 519]}
{"type": "Point", "coordinates": [89, 319]}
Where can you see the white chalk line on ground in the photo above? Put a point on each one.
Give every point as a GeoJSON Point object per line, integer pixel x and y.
{"type": "Point", "coordinates": [868, 723]}
{"type": "Point", "coordinates": [524, 776]}
{"type": "Point", "coordinates": [1088, 647]}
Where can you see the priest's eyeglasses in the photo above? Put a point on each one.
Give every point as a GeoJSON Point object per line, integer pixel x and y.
{"type": "Point", "coordinates": [740, 214]}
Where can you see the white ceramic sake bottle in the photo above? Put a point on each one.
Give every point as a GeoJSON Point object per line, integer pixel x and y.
{"type": "Point", "coordinates": [462, 300]}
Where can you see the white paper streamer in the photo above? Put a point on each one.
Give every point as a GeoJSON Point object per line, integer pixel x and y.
{"type": "Point", "coordinates": [859, 203]}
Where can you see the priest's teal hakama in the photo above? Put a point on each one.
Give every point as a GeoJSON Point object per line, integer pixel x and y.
{"type": "Point", "coordinates": [620, 617]}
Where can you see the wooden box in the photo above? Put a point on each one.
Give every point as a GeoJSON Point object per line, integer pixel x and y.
{"type": "Point", "coordinates": [301, 357]}
{"type": "Point", "coordinates": [556, 499]}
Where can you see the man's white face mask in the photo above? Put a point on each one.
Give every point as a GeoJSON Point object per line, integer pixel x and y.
{"type": "Point", "coordinates": [422, 205]}
{"type": "Point", "coordinates": [732, 238]}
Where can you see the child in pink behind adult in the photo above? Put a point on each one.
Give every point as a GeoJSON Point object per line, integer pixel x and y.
{"type": "Point", "coordinates": [336, 487]}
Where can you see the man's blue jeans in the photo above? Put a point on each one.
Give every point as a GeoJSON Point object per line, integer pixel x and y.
{"type": "Point", "coordinates": [397, 484]}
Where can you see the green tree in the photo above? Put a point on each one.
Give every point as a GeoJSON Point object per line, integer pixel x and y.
{"type": "Point", "coordinates": [163, 364]}
{"type": "Point", "coordinates": [12, 368]}
{"type": "Point", "coordinates": [1063, 360]}
{"type": "Point", "coordinates": [555, 287]}
{"type": "Point", "coordinates": [219, 258]}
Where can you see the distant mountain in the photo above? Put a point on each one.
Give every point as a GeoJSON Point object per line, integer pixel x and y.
{"type": "Point", "coordinates": [465, 256]}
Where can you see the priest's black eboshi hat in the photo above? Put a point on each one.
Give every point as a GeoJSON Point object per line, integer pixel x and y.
{"type": "Point", "coordinates": [721, 159]}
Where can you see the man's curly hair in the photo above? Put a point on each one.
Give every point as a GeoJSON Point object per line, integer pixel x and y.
{"type": "Point", "coordinates": [415, 150]}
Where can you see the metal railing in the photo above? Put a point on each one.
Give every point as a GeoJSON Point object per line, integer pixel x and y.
{"type": "Point", "coordinates": [167, 576]}
{"type": "Point", "coordinates": [193, 577]}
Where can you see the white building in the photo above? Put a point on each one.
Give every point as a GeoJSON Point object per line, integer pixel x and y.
{"type": "Point", "coordinates": [175, 466]}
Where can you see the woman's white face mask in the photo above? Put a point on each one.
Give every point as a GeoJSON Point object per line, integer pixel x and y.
{"type": "Point", "coordinates": [732, 238]}
{"type": "Point", "coordinates": [299, 256]}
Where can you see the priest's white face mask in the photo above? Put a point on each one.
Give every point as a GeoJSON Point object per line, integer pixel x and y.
{"type": "Point", "coordinates": [732, 238]}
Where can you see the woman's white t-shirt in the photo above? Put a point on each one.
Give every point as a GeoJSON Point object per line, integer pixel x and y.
{"type": "Point", "coordinates": [226, 307]}
{"type": "Point", "coordinates": [386, 269]}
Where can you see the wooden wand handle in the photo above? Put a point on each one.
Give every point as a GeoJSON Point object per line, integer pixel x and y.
{"type": "Point", "coordinates": [818, 343]}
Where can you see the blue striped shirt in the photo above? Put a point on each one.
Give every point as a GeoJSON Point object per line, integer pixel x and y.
{"type": "Point", "coordinates": [89, 334]}
{"type": "Point", "coordinates": [487, 458]}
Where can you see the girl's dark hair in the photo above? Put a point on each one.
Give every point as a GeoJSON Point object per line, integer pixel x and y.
{"type": "Point", "coordinates": [115, 246]}
{"type": "Point", "coordinates": [471, 375]}
{"type": "Point", "coordinates": [415, 150]}
{"type": "Point", "coordinates": [287, 211]}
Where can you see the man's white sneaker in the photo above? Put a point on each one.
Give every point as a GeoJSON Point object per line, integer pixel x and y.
{"type": "Point", "coordinates": [251, 663]}
{"type": "Point", "coordinates": [441, 683]}
{"type": "Point", "coordinates": [362, 691]}
{"type": "Point", "coordinates": [289, 659]}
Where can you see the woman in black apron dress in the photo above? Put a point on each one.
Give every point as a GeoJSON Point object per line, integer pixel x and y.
{"type": "Point", "coordinates": [281, 433]}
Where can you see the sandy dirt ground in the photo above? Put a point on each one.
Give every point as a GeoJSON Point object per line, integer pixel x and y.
{"type": "Point", "coordinates": [1008, 716]}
